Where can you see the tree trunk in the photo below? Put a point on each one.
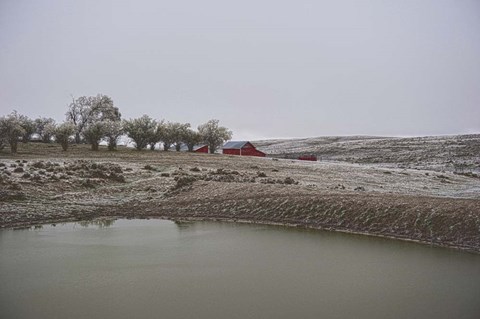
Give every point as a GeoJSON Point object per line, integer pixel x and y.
{"type": "Point", "coordinates": [95, 146]}
{"type": "Point", "coordinates": [64, 145]}
{"type": "Point", "coordinates": [112, 144]}
{"type": "Point", "coordinates": [177, 147]}
{"type": "Point", "coordinates": [152, 147]}
{"type": "Point", "coordinates": [211, 148]}
{"type": "Point", "coordinates": [78, 140]}
{"type": "Point", "coordinates": [13, 146]}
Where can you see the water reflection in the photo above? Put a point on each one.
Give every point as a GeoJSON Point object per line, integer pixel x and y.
{"type": "Point", "coordinates": [100, 223]}
{"type": "Point", "coordinates": [183, 224]}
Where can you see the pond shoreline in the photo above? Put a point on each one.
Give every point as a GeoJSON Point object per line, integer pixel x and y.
{"type": "Point", "coordinates": [344, 231]}
{"type": "Point", "coordinates": [30, 224]}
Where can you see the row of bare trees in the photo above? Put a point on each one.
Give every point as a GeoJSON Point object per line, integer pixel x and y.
{"type": "Point", "coordinates": [95, 119]}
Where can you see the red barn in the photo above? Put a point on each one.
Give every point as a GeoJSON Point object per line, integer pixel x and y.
{"type": "Point", "coordinates": [244, 148]}
{"type": "Point", "coordinates": [199, 148]}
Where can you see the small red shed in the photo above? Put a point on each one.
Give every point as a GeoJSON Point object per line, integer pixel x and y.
{"type": "Point", "coordinates": [199, 148]}
{"type": "Point", "coordinates": [243, 148]}
{"type": "Point", "coordinates": [307, 158]}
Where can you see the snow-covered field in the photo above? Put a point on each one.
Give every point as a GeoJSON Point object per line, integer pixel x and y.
{"type": "Point", "coordinates": [459, 153]}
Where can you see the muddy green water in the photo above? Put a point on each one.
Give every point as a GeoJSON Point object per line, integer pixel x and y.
{"type": "Point", "coordinates": [159, 269]}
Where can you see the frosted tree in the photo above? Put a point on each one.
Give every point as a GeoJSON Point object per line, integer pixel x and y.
{"type": "Point", "coordinates": [93, 133]}
{"type": "Point", "coordinates": [140, 130]}
{"type": "Point", "coordinates": [156, 135]}
{"type": "Point", "coordinates": [167, 135]}
{"type": "Point", "coordinates": [45, 128]}
{"type": "Point", "coordinates": [112, 132]}
{"type": "Point", "coordinates": [191, 138]}
{"type": "Point", "coordinates": [11, 130]}
{"type": "Point", "coordinates": [78, 115]}
{"type": "Point", "coordinates": [63, 133]}
{"type": "Point", "coordinates": [177, 133]}
{"type": "Point", "coordinates": [28, 126]}
{"type": "Point", "coordinates": [214, 135]}
{"type": "Point", "coordinates": [86, 110]}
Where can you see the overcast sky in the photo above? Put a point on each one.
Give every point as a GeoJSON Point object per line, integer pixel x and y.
{"type": "Point", "coordinates": [265, 69]}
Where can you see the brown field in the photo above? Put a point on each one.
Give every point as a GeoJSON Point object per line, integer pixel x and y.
{"type": "Point", "coordinates": [41, 184]}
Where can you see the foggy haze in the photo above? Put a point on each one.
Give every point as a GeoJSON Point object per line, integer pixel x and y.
{"type": "Point", "coordinates": [265, 69]}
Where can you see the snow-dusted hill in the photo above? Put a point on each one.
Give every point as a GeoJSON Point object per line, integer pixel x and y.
{"type": "Point", "coordinates": [460, 153]}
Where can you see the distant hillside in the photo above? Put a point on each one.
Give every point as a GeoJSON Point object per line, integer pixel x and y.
{"type": "Point", "coordinates": [459, 153]}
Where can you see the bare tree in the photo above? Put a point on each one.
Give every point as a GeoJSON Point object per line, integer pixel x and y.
{"type": "Point", "coordinates": [62, 134]}
{"type": "Point", "coordinates": [78, 115]}
{"type": "Point", "coordinates": [214, 135]}
{"type": "Point", "coordinates": [140, 130]}
{"type": "Point", "coordinates": [89, 109]}
{"type": "Point", "coordinates": [11, 130]}
{"type": "Point", "coordinates": [102, 109]}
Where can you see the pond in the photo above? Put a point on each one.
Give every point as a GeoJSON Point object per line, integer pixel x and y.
{"type": "Point", "coordinates": [162, 269]}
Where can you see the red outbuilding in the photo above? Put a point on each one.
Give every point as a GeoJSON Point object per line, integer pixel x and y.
{"type": "Point", "coordinates": [243, 148]}
{"type": "Point", "coordinates": [199, 148]}
{"type": "Point", "coordinates": [307, 158]}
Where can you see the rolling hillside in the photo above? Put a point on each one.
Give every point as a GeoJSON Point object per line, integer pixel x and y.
{"type": "Point", "coordinates": [459, 153]}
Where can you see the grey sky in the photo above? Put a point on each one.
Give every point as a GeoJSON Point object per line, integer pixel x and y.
{"type": "Point", "coordinates": [263, 68]}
